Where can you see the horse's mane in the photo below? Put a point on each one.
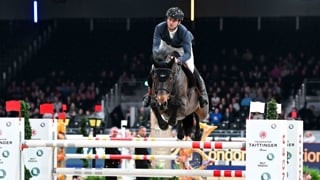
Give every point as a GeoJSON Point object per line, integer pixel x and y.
{"type": "Point", "coordinates": [160, 58]}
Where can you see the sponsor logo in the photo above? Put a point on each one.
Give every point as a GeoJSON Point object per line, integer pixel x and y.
{"type": "Point", "coordinates": [263, 134]}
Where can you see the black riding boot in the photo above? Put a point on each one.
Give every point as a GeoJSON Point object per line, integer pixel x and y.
{"type": "Point", "coordinates": [203, 98]}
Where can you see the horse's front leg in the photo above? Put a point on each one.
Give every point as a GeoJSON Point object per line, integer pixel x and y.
{"type": "Point", "coordinates": [180, 131]}
{"type": "Point", "coordinates": [163, 125]}
{"type": "Point", "coordinates": [173, 116]}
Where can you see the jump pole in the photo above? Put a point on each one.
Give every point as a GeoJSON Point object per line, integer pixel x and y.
{"type": "Point", "coordinates": [106, 138]}
{"type": "Point", "coordinates": [138, 144]}
{"type": "Point", "coordinates": [148, 172]}
{"type": "Point", "coordinates": [120, 156]}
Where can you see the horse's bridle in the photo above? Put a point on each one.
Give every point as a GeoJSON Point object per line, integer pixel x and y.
{"type": "Point", "coordinates": [161, 76]}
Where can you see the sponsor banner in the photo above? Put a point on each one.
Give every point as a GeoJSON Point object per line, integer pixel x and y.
{"type": "Point", "coordinates": [311, 155]}
{"type": "Point", "coordinates": [266, 144]}
{"type": "Point", "coordinates": [294, 150]}
{"type": "Point", "coordinates": [39, 160]}
{"type": "Point", "coordinates": [10, 137]}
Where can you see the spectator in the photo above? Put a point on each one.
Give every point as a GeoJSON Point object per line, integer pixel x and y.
{"type": "Point", "coordinates": [142, 164]}
{"type": "Point", "coordinates": [215, 117]}
{"type": "Point", "coordinates": [142, 116]}
{"type": "Point", "coordinates": [228, 115]}
{"type": "Point", "coordinates": [214, 100]}
{"type": "Point", "coordinates": [309, 137]}
{"type": "Point", "coordinates": [112, 163]}
{"type": "Point", "coordinates": [293, 114]}
{"type": "Point", "coordinates": [245, 101]}
{"type": "Point", "coordinates": [174, 133]}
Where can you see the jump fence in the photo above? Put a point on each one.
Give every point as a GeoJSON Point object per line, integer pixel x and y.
{"type": "Point", "coordinates": [149, 172]}
{"type": "Point", "coordinates": [138, 144]}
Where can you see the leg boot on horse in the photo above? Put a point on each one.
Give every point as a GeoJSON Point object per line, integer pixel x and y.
{"type": "Point", "coordinates": [203, 97]}
{"type": "Point", "coordinates": [147, 98]}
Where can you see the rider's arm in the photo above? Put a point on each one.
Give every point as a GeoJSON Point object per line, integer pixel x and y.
{"type": "Point", "coordinates": [186, 45]}
{"type": "Point", "coordinates": [156, 40]}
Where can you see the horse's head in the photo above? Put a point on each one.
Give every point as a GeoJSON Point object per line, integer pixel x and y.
{"type": "Point", "coordinates": [163, 77]}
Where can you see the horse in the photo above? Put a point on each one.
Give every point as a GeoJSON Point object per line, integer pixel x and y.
{"type": "Point", "coordinates": [174, 99]}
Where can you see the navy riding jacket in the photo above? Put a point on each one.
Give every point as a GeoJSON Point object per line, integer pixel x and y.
{"type": "Point", "coordinates": [183, 38]}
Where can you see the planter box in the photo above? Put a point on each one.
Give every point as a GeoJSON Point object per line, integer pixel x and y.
{"type": "Point", "coordinates": [295, 149]}
{"type": "Point", "coordinates": [274, 149]}
{"type": "Point", "coordinates": [41, 160]}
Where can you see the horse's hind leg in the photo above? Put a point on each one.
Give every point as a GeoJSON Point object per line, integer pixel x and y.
{"type": "Point", "coordinates": [188, 125]}
{"type": "Point", "coordinates": [197, 134]}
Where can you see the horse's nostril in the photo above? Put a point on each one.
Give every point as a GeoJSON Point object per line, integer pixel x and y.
{"type": "Point", "coordinates": [162, 99]}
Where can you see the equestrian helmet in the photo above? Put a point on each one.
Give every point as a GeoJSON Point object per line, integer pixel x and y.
{"type": "Point", "coordinates": [175, 13]}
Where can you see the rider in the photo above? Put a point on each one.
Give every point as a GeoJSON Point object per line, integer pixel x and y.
{"type": "Point", "coordinates": [171, 36]}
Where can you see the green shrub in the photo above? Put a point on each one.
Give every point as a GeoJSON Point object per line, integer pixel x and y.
{"type": "Point", "coordinates": [95, 178]}
{"type": "Point", "coordinates": [315, 173]}
{"type": "Point", "coordinates": [272, 109]}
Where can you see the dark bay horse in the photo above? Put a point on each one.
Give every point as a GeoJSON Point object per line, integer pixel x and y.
{"type": "Point", "coordinates": [175, 96]}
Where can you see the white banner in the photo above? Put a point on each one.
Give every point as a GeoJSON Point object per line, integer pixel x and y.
{"type": "Point", "coordinates": [295, 149]}
{"type": "Point", "coordinates": [266, 150]}
{"type": "Point", "coordinates": [40, 160]}
{"type": "Point", "coordinates": [10, 138]}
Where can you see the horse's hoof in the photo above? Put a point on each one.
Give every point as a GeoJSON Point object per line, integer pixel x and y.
{"type": "Point", "coordinates": [180, 136]}
{"type": "Point", "coordinates": [172, 122]}
{"type": "Point", "coordinates": [197, 137]}
{"type": "Point", "coordinates": [163, 126]}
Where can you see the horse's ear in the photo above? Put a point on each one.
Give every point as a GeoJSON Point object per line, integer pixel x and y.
{"type": "Point", "coordinates": [159, 57]}
{"type": "Point", "coordinates": [155, 62]}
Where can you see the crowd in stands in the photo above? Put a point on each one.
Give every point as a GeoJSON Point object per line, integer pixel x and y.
{"type": "Point", "coordinates": [77, 68]}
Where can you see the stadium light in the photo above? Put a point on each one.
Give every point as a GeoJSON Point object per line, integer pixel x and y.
{"type": "Point", "coordinates": [192, 10]}
{"type": "Point", "coordinates": [35, 11]}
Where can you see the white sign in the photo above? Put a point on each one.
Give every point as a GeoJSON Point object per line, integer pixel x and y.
{"type": "Point", "coordinates": [266, 150]}
{"type": "Point", "coordinates": [10, 138]}
{"type": "Point", "coordinates": [40, 160]}
{"type": "Point", "coordinates": [295, 150]}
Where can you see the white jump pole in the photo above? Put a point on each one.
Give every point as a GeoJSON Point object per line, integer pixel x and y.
{"type": "Point", "coordinates": [239, 139]}
{"type": "Point", "coordinates": [149, 172]}
{"type": "Point", "coordinates": [106, 138]}
{"type": "Point", "coordinates": [119, 156]}
{"type": "Point", "coordinates": [138, 144]}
